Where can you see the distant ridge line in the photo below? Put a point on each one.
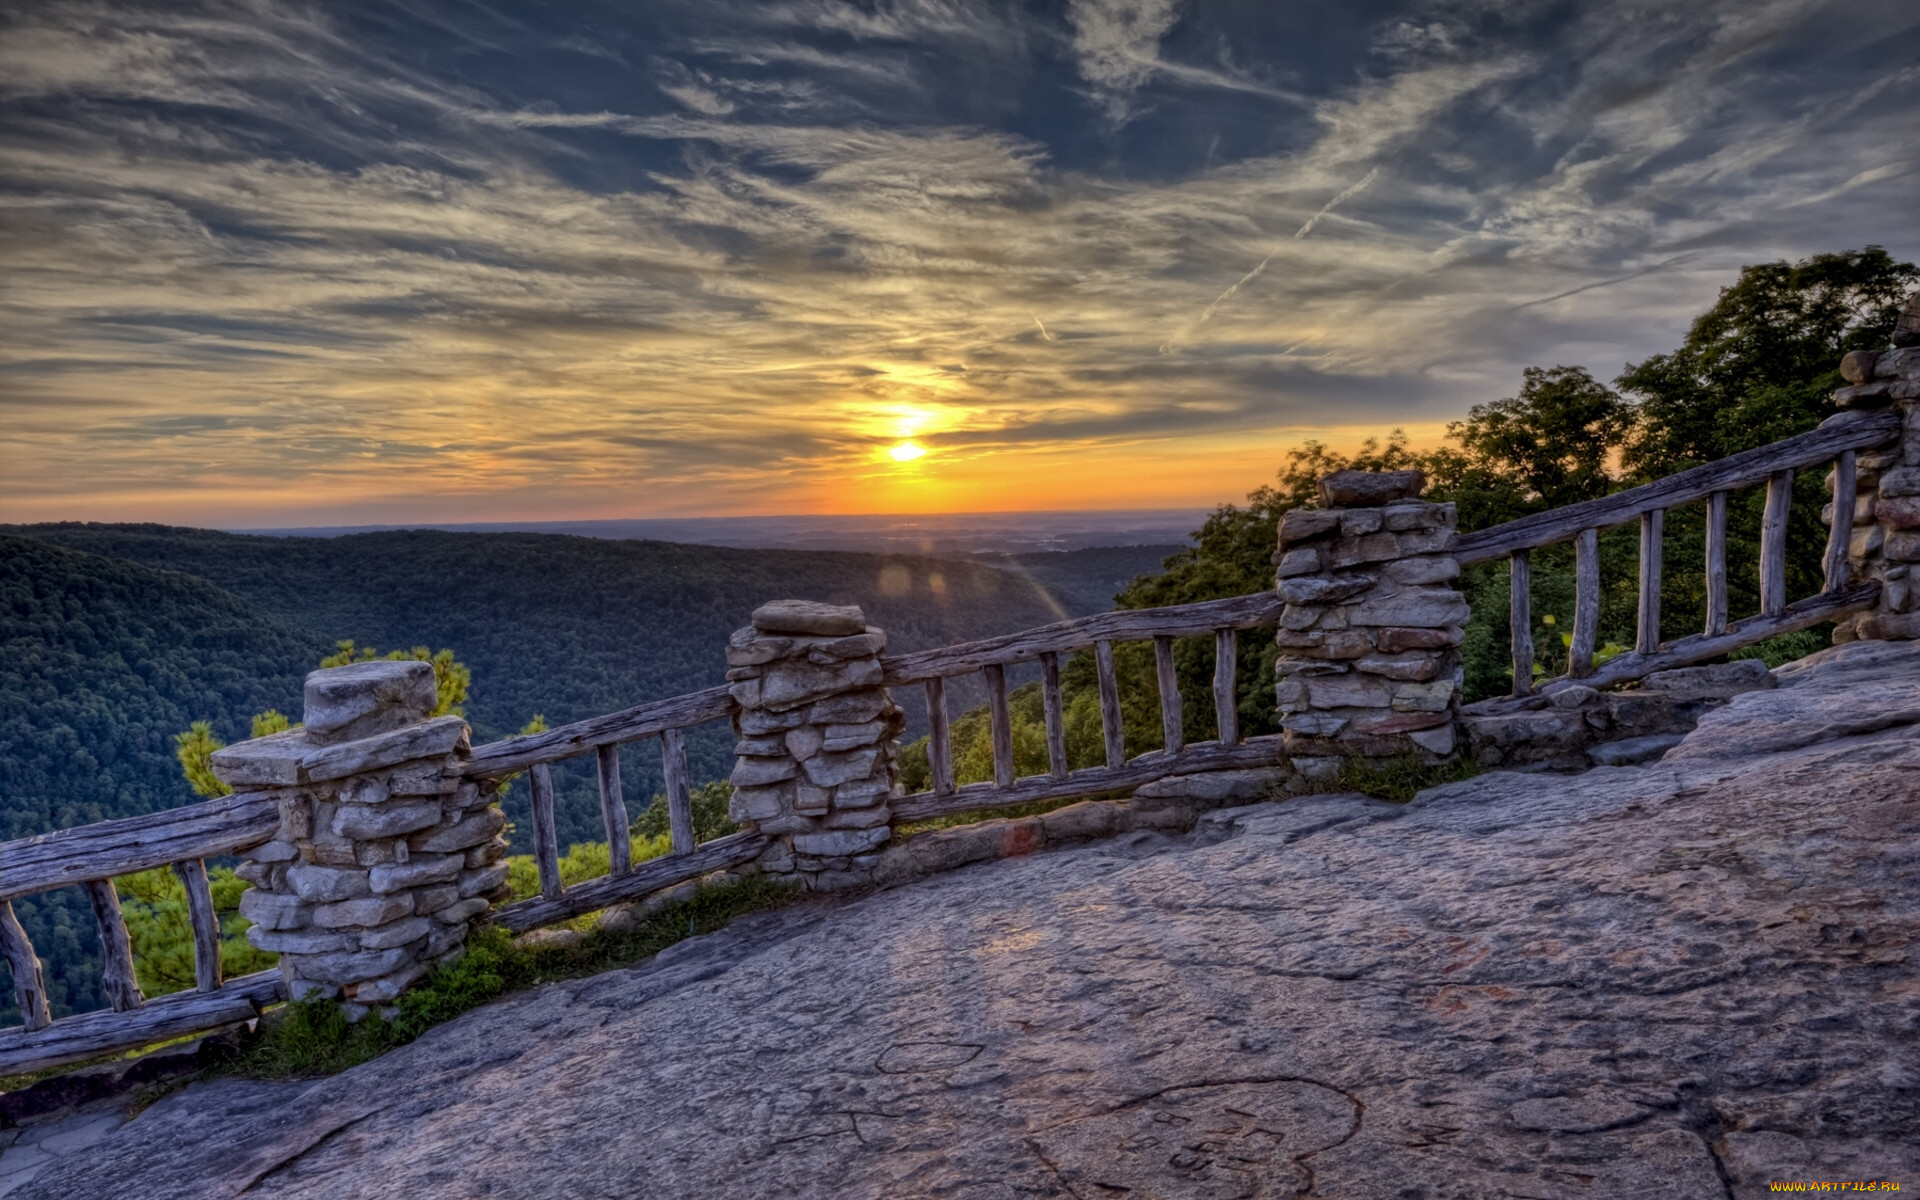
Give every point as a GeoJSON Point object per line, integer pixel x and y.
{"type": "Point", "coordinates": [1007, 532]}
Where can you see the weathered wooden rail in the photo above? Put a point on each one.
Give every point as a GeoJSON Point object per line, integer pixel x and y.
{"type": "Point", "coordinates": [92, 856]}
{"type": "Point", "coordinates": [1837, 441]}
{"type": "Point", "coordinates": [1220, 619]}
{"type": "Point", "coordinates": [668, 720]}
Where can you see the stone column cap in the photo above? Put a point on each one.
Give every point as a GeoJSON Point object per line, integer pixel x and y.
{"type": "Point", "coordinates": [1369, 489]}
{"type": "Point", "coordinates": [809, 617]}
{"type": "Point", "coordinates": [362, 699]}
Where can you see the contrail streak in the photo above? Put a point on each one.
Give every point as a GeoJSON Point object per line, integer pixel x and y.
{"type": "Point", "coordinates": [1676, 260]}
{"type": "Point", "coordinates": [1043, 328]}
{"type": "Point", "coordinates": [1304, 230]}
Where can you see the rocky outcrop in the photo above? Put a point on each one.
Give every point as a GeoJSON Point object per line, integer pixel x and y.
{"type": "Point", "coordinates": [1677, 980]}
{"type": "Point", "coordinates": [1578, 727]}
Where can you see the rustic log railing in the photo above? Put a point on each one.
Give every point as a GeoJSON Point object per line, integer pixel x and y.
{"type": "Point", "coordinates": [602, 737]}
{"type": "Point", "coordinates": [92, 856]}
{"type": "Point", "coordinates": [1837, 441]}
{"type": "Point", "coordinates": [1220, 619]}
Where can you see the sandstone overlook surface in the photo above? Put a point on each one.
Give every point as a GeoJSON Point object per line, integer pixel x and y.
{"type": "Point", "coordinates": [1682, 979]}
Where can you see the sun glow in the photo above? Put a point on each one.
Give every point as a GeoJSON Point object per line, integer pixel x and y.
{"type": "Point", "coordinates": [906, 452]}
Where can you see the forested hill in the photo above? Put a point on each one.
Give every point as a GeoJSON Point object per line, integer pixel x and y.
{"type": "Point", "coordinates": [113, 638]}
{"type": "Point", "coordinates": [565, 626]}
{"type": "Point", "coordinates": [102, 661]}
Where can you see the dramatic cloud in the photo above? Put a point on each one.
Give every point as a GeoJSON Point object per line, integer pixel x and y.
{"type": "Point", "coordinates": [271, 264]}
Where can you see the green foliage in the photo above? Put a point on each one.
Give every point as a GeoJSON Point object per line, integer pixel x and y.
{"type": "Point", "coordinates": [269, 723]}
{"type": "Point", "coordinates": [451, 679]}
{"type": "Point", "coordinates": [1398, 779]}
{"type": "Point", "coordinates": [581, 862]}
{"type": "Point", "coordinates": [650, 838]}
{"type": "Point", "coordinates": [1758, 365]}
{"type": "Point", "coordinates": [194, 749]}
{"type": "Point", "coordinates": [154, 904]}
{"type": "Point", "coordinates": [314, 1038]}
{"type": "Point", "coordinates": [102, 661]}
{"type": "Point", "coordinates": [710, 820]}
{"type": "Point", "coordinates": [1546, 447]}
{"type": "Point", "coordinates": [1786, 648]}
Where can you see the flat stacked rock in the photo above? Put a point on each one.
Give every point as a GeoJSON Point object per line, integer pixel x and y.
{"type": "Point", "coordinates": [1886, 513]}
{"type": "Point", "coordinates": [816, 755]}
{"type": "Point", "coordinates": [384, 854]}
{"type": "Point", "coordinates": [1368, 640]}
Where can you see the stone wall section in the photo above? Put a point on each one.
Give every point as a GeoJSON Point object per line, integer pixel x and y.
{"type": "Point", "coordinates": [384, 855]}
{"type": "Point", "coordinates": [1369, 639]}
{"type": "Point", "coordinates": [1886, 513]}
{"type": "Point", "coordinates": [816, 765]}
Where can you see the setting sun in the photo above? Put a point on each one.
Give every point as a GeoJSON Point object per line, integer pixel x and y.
{"type": "Point", "coordinates": [906, 452]}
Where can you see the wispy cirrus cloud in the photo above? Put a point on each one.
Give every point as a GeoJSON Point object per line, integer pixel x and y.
{"type": "Point", "coordinates": [317, 264]}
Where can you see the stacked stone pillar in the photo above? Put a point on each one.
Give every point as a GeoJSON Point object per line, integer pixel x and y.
{"type": "Point", "coordinates": [384, 855]}
{"type": "Point", "coordinates": [1886, 514]}
{"type": "Point", "coordinates": [816, 763]}
{"type": "Point", "coordinates": [1369, 639]}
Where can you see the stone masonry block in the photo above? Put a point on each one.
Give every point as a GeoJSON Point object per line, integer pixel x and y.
{"type": "Point", "coordinates": [365, 822]}
{"type": "Point", "coordinates": [366, 698]}
{"type": "Point", "coordinates": [365, 912]}
{"type": "Point", "coordinates": [809, 617]}
{"type": "Point", "coordinates": [420, 871]}
{"type": "Point", "coordinates": [324, 884]}
{"type": "Point", "coordinates": [274, 910]}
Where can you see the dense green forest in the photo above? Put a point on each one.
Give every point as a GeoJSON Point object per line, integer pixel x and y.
{"type": "Point", "coordinates": [102, 662]}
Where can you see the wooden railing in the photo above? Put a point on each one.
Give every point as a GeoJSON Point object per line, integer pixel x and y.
{"type": "Point", "coordinates": [1837, 441]}
{"type": "Point", "coordinates": [1220, 619]}
{"type": "Point", "coordinates": [91, 856]}
{"type": "Point", "coordinates": [667, 720]}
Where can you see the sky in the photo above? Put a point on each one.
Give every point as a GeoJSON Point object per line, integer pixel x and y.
{"type": "Point", "coordinates": [275, 264]}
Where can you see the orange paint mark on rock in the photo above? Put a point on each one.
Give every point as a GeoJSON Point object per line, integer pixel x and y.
{"type": "Point", "coordinates": [1019, 840]}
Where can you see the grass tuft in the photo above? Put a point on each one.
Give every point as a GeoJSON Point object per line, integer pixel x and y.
{"type": "Point", "coordinates": [1398, 779]}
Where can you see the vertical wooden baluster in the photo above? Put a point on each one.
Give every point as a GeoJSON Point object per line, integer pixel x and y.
{"type": "Point", "coordinates": [205, 922]}
{"type": "Point", "coordinates": [1172, 723]}
{"type": "Point", "coordinates": [117, 978]}
{"type": "Point", "coordinates": [1110, 726]}
{"type": "Point", "coordinates": [1773, 544]}
{"type": "Point", "coordinates": [1520, 619]}
{"type": "Point", "coordinates": [939, 737]}
{"type": "Point", "coordinates": [673, 768]}
{"type": "Point", "coordinates": [1846, 483]}
{"type": "Point", "coordinates": [613, 811]}
{"type": "Point", "coordinates": [1586, 603]}
{"type": "Point", "coordinates": [1001, 722]}
{"type": "Point", "coordinates": [1226, 666]}
{"type": "Point", "coordinates": [29, 981]}
{"type": "Point", "coordinates": [1716, 564]}
{"type": "Point", "coordinates": [1647, 638]}
{"type": "Point", "coordinates": [546, 843]}
{"type": "Point", "coordinates": [1056, 718]}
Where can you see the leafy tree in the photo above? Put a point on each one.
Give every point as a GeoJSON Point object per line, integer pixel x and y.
{"type": "Point", "coordinates": [1546, 447]}
{"type": "Point", "coordinates": [1758, 365]}
{"type": "Point", "coordinates": [194, 748]}
{"type": "Point", "coordinates": [154, 904]}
